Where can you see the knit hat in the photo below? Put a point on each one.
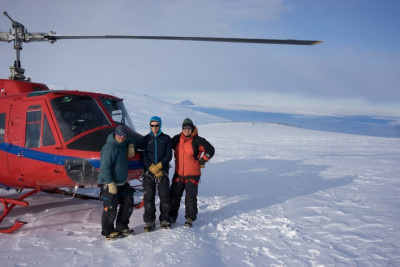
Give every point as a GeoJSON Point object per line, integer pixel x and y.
{"type": "Point", "coordinates": [121, 130]}
{"type": "Point", "coordinates": [156, 119]}
{"type": "Point", "coordinates": [187, 122]}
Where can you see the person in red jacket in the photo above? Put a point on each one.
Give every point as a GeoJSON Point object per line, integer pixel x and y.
{"type": "Point", "coordinates": [191, 152]}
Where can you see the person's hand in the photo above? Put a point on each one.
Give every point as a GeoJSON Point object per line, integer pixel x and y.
{"type": "Point", "coordinates": [159, 165]}
{"type": "Point", "coordinates": [112, 188]}
{"type": "Point", "coordinates": [154, 169]}
{"type": "Point", "coordinates": [130, 151]}
{"type": "Point", "coordinates": [159, 174]}
{"type": "Point", "coordinates": [202, 163]}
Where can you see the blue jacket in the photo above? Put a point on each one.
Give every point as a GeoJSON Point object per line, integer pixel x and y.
{"type": "Point", "coordinates": [114, 161]}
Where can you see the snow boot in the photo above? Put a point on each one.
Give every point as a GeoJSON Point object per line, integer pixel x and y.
{"type": "Point", "coordinates": [114, 235]}
{"type": "Point", "coordinates": [165, 225]}
{"type": "Point", "coordinates": [188, 223]}
{"type": "Point", "coordinates": [127, 232]}
{"type": "Point", "coordinates": [150, 227]}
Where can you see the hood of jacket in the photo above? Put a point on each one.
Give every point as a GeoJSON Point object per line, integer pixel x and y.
{"type": "Point", "coordinates": [159, 121]}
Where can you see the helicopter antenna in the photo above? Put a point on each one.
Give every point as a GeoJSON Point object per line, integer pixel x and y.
{"type": "Point", "coordinates": [20, 35]}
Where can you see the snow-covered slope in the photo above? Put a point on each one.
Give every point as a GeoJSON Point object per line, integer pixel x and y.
{"type": "Point", "coordinates": [273, 195]}
{"type": "Point", "coordinates": [141, 108]}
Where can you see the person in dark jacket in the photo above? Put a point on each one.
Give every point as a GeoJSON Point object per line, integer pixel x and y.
{"type": "Point", "coordinates": [156, 157]}
{"type": "Point", "coordinates": [113, 184]}
{"type": "Point", "coordinates": [191, 154]}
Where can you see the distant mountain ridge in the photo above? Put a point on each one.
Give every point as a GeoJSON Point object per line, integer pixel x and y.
{"type": "Point", "coordinates": [141, 107]}
{"type": "Point", "coordinates": [186, 102]}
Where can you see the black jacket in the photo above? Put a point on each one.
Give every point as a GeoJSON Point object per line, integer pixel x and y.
{"type": "Point", "coordinates": [157, 149]}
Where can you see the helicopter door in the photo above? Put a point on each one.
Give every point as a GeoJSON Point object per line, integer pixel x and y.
{"type": "Point", "coordinates": [32, 142]}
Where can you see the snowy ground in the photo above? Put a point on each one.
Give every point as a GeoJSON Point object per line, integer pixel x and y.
{"type": "Point", "coordinates": [273, 195]}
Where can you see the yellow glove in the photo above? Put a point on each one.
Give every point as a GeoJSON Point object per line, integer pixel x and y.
{"type": "Point", "coordinates": [159, 174]}
{"type": "Point", "coordinates": [130, 151]}
{"type": "Point", "coordinates": [112, 188]}
{"type": "Point", "coordinates": [159, 165]}
{"type": "Point", "coordinates": [154, 169]}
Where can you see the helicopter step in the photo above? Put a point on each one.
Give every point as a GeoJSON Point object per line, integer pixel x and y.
{"type": "Point", "coordinates": [9, 204]}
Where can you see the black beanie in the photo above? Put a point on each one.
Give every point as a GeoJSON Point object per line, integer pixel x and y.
{"type": "Point", "coordinates": [187, 122]}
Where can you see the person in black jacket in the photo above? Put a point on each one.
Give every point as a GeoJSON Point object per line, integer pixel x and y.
{"type": "Point", "coordinates": [156, 157]}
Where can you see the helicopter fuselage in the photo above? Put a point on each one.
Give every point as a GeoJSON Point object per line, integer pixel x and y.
{"type": "Point", "coordinates": [53, 138]}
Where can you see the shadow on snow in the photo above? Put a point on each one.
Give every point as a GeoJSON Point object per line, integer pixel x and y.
{"type": "Point", "coordinates": [271, 182]}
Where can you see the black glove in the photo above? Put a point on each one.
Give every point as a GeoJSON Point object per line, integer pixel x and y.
{"type": "Point", "coordinates": [202, 163]}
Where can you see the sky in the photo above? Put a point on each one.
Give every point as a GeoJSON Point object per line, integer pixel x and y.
{"type": "Point", "coordinates": [354, 69]}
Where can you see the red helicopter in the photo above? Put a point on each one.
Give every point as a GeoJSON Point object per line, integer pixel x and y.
{"type": "Point", "coordinates": [51, 139]}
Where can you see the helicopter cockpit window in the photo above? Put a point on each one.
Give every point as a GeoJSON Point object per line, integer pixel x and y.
{"type": "Point", "coordinates": [117, 110]}
{"type": "Point", "coordinates": [2, 126]}
{"type": "Point", "coordinates": [33, 126]}
{"type": "Point", "coordinates": [77, 114]}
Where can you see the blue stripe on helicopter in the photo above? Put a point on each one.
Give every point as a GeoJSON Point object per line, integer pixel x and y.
{"type": "Point", "coordinates": [137, 164]}
{"type": "Point", "coordinates": [53, 158]}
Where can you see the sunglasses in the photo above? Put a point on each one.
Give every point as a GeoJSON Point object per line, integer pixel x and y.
{"type": "Point", "coordinates": [121, 133]}
{"type": "Point", "coordinates": [187, 128]}
{"type": "Point", "coordinates": [154, 125]}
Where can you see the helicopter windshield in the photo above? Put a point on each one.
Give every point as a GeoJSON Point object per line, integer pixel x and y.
{"type": "Point", "coordinates": [77, 114]}
{"type": "Point", "coordinates": [117, 110]}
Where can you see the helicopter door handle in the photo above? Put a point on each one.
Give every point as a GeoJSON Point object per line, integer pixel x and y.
{"type": "Point", "coordinates": [20, 154]}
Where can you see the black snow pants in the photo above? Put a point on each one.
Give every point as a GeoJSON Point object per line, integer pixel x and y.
{"type": "Point", "coordinates": [150, 185]}
{"type": "Point", "coordinates": [190, 185]}
{"type": "Point", "coordinates": [110, 209]}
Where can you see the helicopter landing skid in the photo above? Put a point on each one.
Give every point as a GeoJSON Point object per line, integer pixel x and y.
{"type": "Point", "coordinates": [141, 204]}
{"type": "Point", "coordinates": [9, 204]}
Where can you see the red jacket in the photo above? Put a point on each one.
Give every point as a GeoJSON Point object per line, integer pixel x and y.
{"type": "Point", "coordinates": [188, 151]}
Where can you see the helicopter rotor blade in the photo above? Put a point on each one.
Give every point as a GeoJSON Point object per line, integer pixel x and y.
{"type": "Point", "coordinates": [22, 35]}
{"type": "Point", "coordinates": [53, 38]}
{"type": "Point", "coordinates": [19, 35]}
